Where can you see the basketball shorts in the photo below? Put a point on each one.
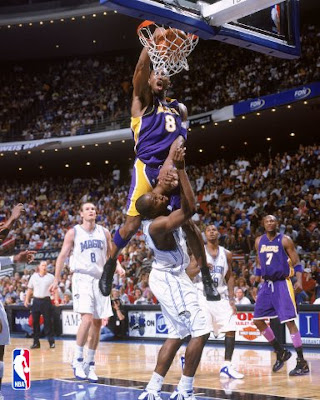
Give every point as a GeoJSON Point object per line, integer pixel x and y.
{"type": "Point", "coordinates": [87, 298]}
{"type": "Point", "coordinates": [179, 304]}
{"type": "Point", "coordinates": [144, 179]}
{"type": "Point", "coordinates": [219, 315]}
{"type": "Point", "coordinates": [276, 299]}
{"type": "Point", "coordinates": [5, 333]}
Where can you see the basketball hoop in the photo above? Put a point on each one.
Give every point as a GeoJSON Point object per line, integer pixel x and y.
{"type": "Point", "coordinates": [169, 49]}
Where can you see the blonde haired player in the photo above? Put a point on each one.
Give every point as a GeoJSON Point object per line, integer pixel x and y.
{"type": "Point", "coordinates": [220, 315]}
{"type": "Point", "coordinates": [90, 245]}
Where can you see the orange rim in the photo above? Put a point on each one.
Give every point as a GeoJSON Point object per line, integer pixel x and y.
{"type": "Point", "coordinates": [144, 24]}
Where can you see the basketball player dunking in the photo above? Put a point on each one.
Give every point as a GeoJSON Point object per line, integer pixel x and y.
{"type": "Point", "coordinates": [159, 126]}
{"type": "Point", "coordinates": [276, 296]}
{"type": "Point", "coordinates": [220, 315]}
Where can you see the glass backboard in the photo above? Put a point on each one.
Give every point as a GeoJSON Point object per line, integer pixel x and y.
{"type": "Point", "coordinates": [274, 31]}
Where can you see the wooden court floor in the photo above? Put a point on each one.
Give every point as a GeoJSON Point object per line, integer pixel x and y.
{"type": "Point", "coordinates": [133, 362]}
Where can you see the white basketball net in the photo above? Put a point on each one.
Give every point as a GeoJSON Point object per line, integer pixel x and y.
{"type": "Point", "coordinates": [169, 51]}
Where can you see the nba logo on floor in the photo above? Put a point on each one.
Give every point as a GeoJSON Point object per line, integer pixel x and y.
{"type": "Point", "coordinates": [21, 369]}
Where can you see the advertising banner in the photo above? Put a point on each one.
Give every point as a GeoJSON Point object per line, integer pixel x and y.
{"type": "Point", "coordinates": [273, 100]}
{"type": "Point", "coordinates": [151, 324]}
{"type": "Point", "coordinates": [309, 325]}
{"type": "Point", "coordinates": [70, 322]}
{"type": "Point", "coordinates": [20, 318]}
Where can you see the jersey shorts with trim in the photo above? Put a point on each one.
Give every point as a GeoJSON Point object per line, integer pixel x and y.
{"type": "Point", "coordinates": [5, 332]}
{"type": "Point", "coordinates": [87, 298]}
{"type": "Point", "coordinates": [219, 315]}
{"type": "Point", "coordinates": [276, 299]}
{"type": "Point", "coordinates": [144, 179]}
{"type": "Point", "coordinates": [179, 304]}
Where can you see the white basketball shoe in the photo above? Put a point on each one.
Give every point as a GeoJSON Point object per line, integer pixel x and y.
{"type": "Point", "coordinates": [228, 371]}
{"type": "Point", "coordinates": [183, 395]}
{"type": "Point", "coordinates": [77, 365]}
{"type": "Point", "coordinates": [89, 370]}
{"type": "Point", "coordinates": [149, 395]}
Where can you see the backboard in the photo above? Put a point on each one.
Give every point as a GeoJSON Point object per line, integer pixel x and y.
{"type": "Point", "coordinates": [274, 30]}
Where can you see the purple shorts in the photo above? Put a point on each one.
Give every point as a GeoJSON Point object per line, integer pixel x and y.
{"type": "Point", "coordinates": [276, 299]}
{"type": "Point", "coordinates": [144, 179]}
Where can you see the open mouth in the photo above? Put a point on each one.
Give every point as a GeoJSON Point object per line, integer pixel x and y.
{"type": "Point", "coordinates": [159, 84]}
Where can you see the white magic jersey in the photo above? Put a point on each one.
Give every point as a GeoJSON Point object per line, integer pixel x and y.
{"type": "Point", "coordinates": [89, 251]}
{"type": "Point", "coordinates": [170, 260]}
{"type": "Point", "coordinates": [218, 272]}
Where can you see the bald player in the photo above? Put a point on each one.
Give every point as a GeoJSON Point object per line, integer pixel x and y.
{"type": "Point", "coordinates": [277, 261]}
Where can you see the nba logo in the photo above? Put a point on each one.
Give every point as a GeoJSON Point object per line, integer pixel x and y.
{"type": "Point", "coordinates": [21, 369]}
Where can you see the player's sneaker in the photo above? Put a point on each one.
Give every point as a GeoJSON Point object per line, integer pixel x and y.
{"type": "Point", "coordinates": [150, 395]}
{"type": "Point", "coordinates": [77, 365]}
{"type": "Point", "coordinates": [228, 371]}
{"type": "Point", "coordinates": [301, 368]}
{"type": "Point", "coordinates": [210, 291]}
{"type": "Point", "coordinates": [89, 370]}
{"type": "Point", "coordinates": [282, 356]}
{"type": "Point", "coordinates": [183, 395]}
{"type": "Point", "coordinates": [105, 282]}
{"type": "Point", "coordinates": [1, 396]}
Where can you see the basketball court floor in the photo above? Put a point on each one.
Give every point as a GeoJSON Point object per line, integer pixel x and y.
{"type": "Point", "coordinates": [124, 368]}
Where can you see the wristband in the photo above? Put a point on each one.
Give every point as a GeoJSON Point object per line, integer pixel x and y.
{"type": "Point", "coordinates": [118, 241]}
{"type": "Point", "coordinates": [298, 268]}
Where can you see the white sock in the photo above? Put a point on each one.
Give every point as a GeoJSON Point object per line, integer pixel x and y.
{"type": "Point", "coordinates": [78, 352]}
{"type": "Point", "coordinates": [90, 355]}
{"type": "Point", "coordinates": [186, 383]}
{"type": "Point", "coordinates": [155, 382]}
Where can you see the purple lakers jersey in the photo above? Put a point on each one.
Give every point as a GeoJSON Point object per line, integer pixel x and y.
{"type": "Point", "coordinates": [274, 259]}
{"type": "Point", "coordinates": [156, 130]}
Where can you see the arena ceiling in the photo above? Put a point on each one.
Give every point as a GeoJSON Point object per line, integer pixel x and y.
{"type": "Point", "coordinates": [80, 31]}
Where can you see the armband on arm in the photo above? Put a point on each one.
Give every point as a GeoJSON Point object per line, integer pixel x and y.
{"type": "Point", "coordinates": [298, 268]}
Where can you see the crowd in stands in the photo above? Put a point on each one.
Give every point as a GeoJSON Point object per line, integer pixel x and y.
{"type": "Point", "coordinates": [84, 95]}
{"type": "Point", "coordinates": [231, 195]}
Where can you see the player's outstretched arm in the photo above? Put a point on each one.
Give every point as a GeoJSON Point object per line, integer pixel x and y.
{"type": "Point", "coordinates": [142, 95]}
{"type": "Point", "coordinates": [6, 226]}
{"type": "Point", "coordinates": [64, 253]}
